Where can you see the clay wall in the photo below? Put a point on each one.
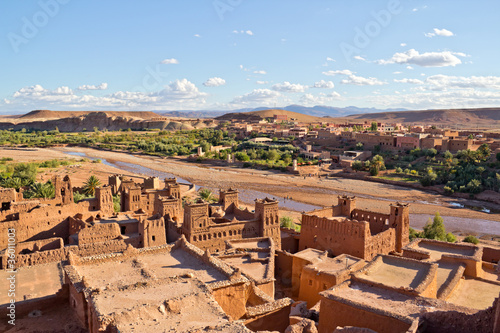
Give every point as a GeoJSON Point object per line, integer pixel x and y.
{"type": "Point", "coordinates": [99, 233]}
{"type": "Point", "coordinates": [7, 195]}
{"type": "Point", "coordinates": [378, 222]}
{"type": "Point", "coordinates": [283, 267]}
{"type": "Point", "coordinates": [233, 299]}
{"type": "Point", "coordinates": [313, 282]}
{"type": "Point", "coordinates": [39, 245]}
{"type": "Point", "coordinates": [337, 312]}
{"type": "Point", "coordinates": [491, 254]}
{"type": "Point", "coordinates": [289, 240]}
{"type": "Point", "coordinates": [271, 321]}
{"type": "Point", "coordinates": [381, 243]}
{"type": "Point", "coordinates": [153, 232]}
{"type": "Point", "coordinates": [340, 237]}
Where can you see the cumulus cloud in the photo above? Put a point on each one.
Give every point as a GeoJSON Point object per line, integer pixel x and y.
{"type": "Point", "coordinates": [403, 44]}
{"type": "Point", "coordinates": [362, 81]}
{"type": "Point", "coordinates": [447, 81]}
{"type": "Point", "coordinates": [214, 82]}
{"type": "Point", "coordinates": [439, 32]}
{"type": "Point", "coordinates": [329, 59]}
{"type": "Point", "coordinates": [324, 84]}
{"type": "Point", "coordinates": [289, 87]}
{"type": "Point", "coordinates": [180, 93]}
{"type": "Point", "coordinates": [197, 35]}
{"type": "Point", "coordinates": [427, 59]}
{"type": "Point", "coordinates": [261, 82]}
{"type": "Point", "coordinates": [257, 97]}
{"type": "Point", "coordinates": [244, 32]}
{"type": "Point", "coordinates": [102, 86]}
{"type": "Point", "coordinates": [260, 72]}
{"type": "Point", "coordinates": [357, 57]}
{"type": "Point", "coordinates": [171, 61]}
{"type": "Point", "coordinates": [412, 81]}
{"type": "Point", "coordinates": [338, 72]}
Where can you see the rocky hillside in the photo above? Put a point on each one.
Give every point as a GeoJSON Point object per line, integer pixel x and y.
{"type": "Point", "coordinates": [112, 121]}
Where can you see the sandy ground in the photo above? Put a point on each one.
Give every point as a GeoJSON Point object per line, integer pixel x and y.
{"type": "Point", "coordinates": [371, 196]}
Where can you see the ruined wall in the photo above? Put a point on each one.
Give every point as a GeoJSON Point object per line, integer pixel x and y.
{"type": "Point", "coordinates": [491, 254]}
{"type": "Point", "coordinates": [39, 245]}
{"type": "Point", "coordinates": [378, 222]}
{"type": "Point", "coordinates": [99, 233]}
{"type": "Point", "coordinates": [381, 243]}
{"type": "Point", "coordinates": [233, 299]}
{"type": "Point", "coordinates": [337, 236]}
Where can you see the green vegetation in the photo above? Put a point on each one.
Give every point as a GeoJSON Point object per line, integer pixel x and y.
{"type": "Point", "coordinates": [90, 185]}
{"type": "Point", "coordinates": [466, 171]}
{"type": "Point", "coordinates": [117, 203]}
{"type": "Point", "coordinates": [434, 229]}
{"type": "Point", "coordinates": [287, 222]}
{"type": "Point", "coordinates": [206, 195]}
{"type": "Point", "coordinates": [471, 239]}
{"type": "Point", "coordinates": [77, 196]}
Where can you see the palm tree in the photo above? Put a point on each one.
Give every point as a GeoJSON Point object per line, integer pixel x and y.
{"type": "Point", "coordinates": [206, 195]}
{"type": "Point", "coordinates": [376, 164]}
{"type": "Point", "coordinates": [90, 185]}
{"type": "Point", "coordinates": [41, 190]}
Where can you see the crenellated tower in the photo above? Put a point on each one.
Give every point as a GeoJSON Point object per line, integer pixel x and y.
{"type": "Point", "coordinates": [266, 211]}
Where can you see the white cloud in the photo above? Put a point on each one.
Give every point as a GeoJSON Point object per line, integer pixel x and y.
{"type": "Point", "coordinates": [257, 97]}
{"type": "Point", "coordinates": [320, 99]}
{"type": "Point", "coordinates": [171, 61]}
{"type": "Point", "coordinates": [244, 32]}
{"type": "Point", "coordinates": [449, 82]}
{"type": "Point", "coordinates": [409, 67]}
{"type": "Point", "coordinates": [427, 59]}
{"type": "Point", "coordinates": [178, 94]}
{"type": "Point", "coordinates": [102, 86]}
{"type": "Point", "coordinates": [397, 72]}
{"type": "Point", "coordinates": [362, 81]}
{"type": "Point", "coordinates": [324, 84]}
{"type": "Point", "coordinates": [214, 82]}
{"type": "Point", "coordinates": [412, 81]}
{"type": "Point", "coordinates": [260, 72]}
{"type": "Point", "coordinates": [357, 57]}
{"type": "Point", "coordinates": [403, 44]}
{"type": "Point", "coordinates": [439, 32]}
{"type": "Point", "coordinates": [289, 87]}
{"type": "Point", "coordinates": [330, 59]}
{"type": "Point", "coordinates": [197, 35]}
{"type": "Point", "coordinates": [414, 10]}
{"type": "Point", "coordinates": [261, 82]}
{"type": "Point", "coordinates": [338, 72]}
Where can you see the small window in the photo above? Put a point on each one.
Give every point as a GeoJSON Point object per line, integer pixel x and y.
{"type": "Point", "coordinates": [310, 282]}
{"type": "Point", "coordinates": [123, 229]}
{"type": "Point", "coordinates": [153, 238]}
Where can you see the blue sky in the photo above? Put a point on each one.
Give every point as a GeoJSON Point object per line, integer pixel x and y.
{"type": "Point", "coordinates": [229, 54]}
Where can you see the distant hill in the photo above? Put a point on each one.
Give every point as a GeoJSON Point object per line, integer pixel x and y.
{"type": "Point", "coordinates": [462, 117]}
{"type": "Point", "coordinates": [255, 115]}
{"type": "Point", "coordinates": [78, 121]}
{"type": "Point", "coordinates": [49, 114]}
{"type": "Point", "coordinates": [317, 111]}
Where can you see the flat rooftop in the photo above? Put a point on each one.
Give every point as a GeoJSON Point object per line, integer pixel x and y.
{"type": "Point", "coordinates": [252, 244]}
{"type": "Point", "coordinates": [334, 265]}
{"type": "Point", "coordinates": [437, 250]}
{"type": "Point", "coordinates": [311, 255]}
{"type": "Point", "coordinates": [396, 272]}
{"type": "Point", "coordinates": [257, 270]}
{"type": "Point", "coordinates": [389, 300]}
{"type": "Point", "coordinates": [475, 294]}
{"type": "Point", "coordinates": [144, 267]}
{"type": "Point", "coordinates": [33, 282]}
